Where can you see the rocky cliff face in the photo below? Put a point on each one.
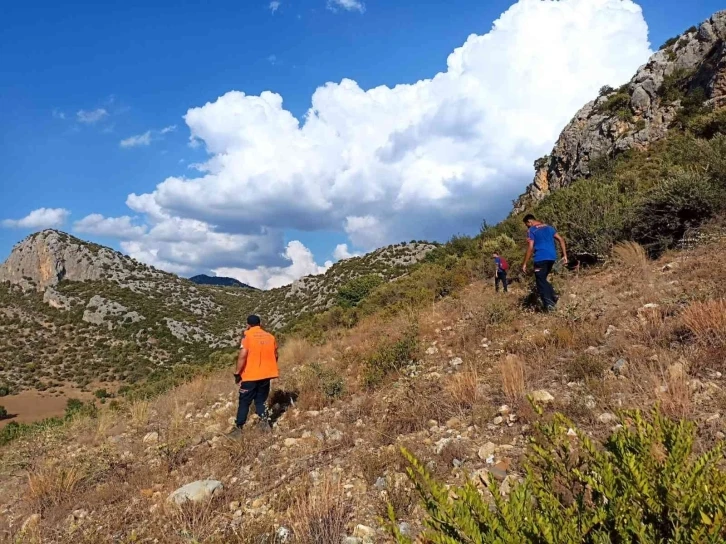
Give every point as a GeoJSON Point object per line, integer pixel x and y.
{"type": "Point", "coordinates": [45, 258]}
{"type": "Point", "coordinates": [690, 68]}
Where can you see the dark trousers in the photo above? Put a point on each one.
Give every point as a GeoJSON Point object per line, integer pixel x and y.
{"type": "Point", "coordinates": [250, 392]}
{"type": "Point", "coordinates": [500, 277]}
{"type": "Point", "coordinates": [546, 292]}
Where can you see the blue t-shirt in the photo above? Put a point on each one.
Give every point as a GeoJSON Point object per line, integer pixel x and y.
{"type": "Point", "coordinates": [544, 242]}
{"type": "Point", "coordinates": [498, 262]}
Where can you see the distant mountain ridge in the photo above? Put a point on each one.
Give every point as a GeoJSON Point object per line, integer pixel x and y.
{"type": "Point", "coordinates": [222, 281]}
{"type": "Point", "coordinates": [76, 312]}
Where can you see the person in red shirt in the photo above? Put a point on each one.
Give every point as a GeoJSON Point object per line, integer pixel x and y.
{"type": "Point", "coordinates": [256, 368]}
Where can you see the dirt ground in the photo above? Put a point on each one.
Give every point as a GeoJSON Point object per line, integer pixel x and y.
{"type": "Point", "coordinates": [30, 406]}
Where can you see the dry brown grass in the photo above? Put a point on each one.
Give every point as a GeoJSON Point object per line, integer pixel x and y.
{"type": "Point", "coordinates": [463, 388]}
{"type": "Point", "coordinates": [139, 414]}
{"type": "Point", "coordinates": [297, 351]}
{"type": "Point", "coordinates": [51, 484]}
{"type": "Point", "coordinates": [322, 515]}
{"type": "Point", "coordinates": [632, 256]}
{"type": "Point", "coordinates": [513, 378]}
{"type": "Point", "coordinates": [707, 322]}
{"type": "Point", "coordinates": [677, 399]}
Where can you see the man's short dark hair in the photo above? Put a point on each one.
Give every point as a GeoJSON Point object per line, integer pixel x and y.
{"type": "Point", "coordinates": [529, 217]}
{"type": "Point", "coordinates": [254, 320]}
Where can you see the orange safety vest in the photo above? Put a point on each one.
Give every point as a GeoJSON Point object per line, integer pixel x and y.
{"type": "Point", "coordinates": [261, 349]}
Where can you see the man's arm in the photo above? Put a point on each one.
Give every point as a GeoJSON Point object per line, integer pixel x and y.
{"type": "Point", "coordinates": [241, 360]}
{"type": "Point", "coordinates": [528, 255]}
{"type": "Point", "coordinates": [561, 240]}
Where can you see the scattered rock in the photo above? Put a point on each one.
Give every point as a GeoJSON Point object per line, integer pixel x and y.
{"type": "Point", "coordinates": [607, 418]}
{"type": "Point", "coordinates": [364, 532]}
{"type": "Point", "coordinates": [486, 451]}
{"type": "Point", "coordinates": [611, 330]}
{"type": "Point", "coordinates": [151, 438]}
{"type": "Point", "coordinates": [456, 361]}
{"type": "Point", "coordinates": [196, 491]}
{"type": "Point", "coordinates": [441, 444]}
{"type": "Point", "coordinates": [498, 420]}
{"type": "Point", "coordinates": [283, 534]}
{"type": "Point", "coordinates": [542, 395]}
{"type": "Point", "coordinates": [620, 367]}
{"type": "Point", "coordinates": [433, 350]}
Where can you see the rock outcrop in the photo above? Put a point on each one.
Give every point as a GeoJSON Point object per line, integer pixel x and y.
{"type": "Point", "coordinates": [43, 259]}
{"type": "Point", "coordinates": [640, 112]}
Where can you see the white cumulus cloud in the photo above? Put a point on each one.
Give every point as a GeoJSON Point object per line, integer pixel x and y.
{"type": "Point", "coordinates": [115, 227]}
{"type": "Point", "coordinates": [42, 218]}
{"type": "Point", "coordinates": [341, 252]}
{"type": "Point", "coordinates": [274, 5]}
{"type": "Point", "coordinates": [350, 5]}
{"type": "Point", "coordinates": [89, 117]}
{"type": "Point", "coordinates": [416, 161]}
{"type": "Point", "coordinates": [302, 263]}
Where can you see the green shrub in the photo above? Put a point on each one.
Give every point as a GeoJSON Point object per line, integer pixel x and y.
{"type": "Point", "coordinates": [350, 294]}
{"type": "Point", "coordinates": [664, 215]}
{"type": "Point", "coordinates": [708, 125]}
{"type": "Point", "coordinates": [391, 356]}
{"type": "Point", "coordinates": [331, 385]}
{"type": "Point", "coordinates": [3, 412]}
{"type": "Point", "coordinates": [645, 485]}
{"type": "Point", "coordinates": [101, 394]}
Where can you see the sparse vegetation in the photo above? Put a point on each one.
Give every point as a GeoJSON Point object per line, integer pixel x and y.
{"type": "Point", "coordinates": [645, 483]}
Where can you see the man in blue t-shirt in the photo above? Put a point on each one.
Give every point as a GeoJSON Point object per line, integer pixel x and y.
{"type": "Point", "coordinates": [541, 239]}
{"type": "Point", "coordinates": [500, 271]}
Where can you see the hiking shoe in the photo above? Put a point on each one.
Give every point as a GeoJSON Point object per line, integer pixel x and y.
{"type": "Point", "coordinates": [235, 433]}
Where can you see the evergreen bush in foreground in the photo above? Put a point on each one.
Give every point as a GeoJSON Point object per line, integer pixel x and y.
{"type": "Point", "coordinates": [645, 484]}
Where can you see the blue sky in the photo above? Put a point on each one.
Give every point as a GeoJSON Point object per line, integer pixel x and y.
{"type": "Point", "coordinates": [78, 78]}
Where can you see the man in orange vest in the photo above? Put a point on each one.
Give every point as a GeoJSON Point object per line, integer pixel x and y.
{"type": "Point", "coordinates": [256, 367]}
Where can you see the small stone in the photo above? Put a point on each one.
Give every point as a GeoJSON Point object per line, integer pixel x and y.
{"type": "Point", "coordinates": [151, 438]}
{"type": "Point", "coordinates": [651, 306]}
{"type": "Point", "coordinates": [620, 367]}
{"type": "Point", "coordinates": [404, 528]}
{"type": "Point", "coordinates": [713, 417]}
{"type": "Point", "coordinates": [290, 442]}
{"type": "Point", "coordinates": [611, 330]}
{"type": "Point", "coordinates": [542, 395]}
{"type": "Point", "coordinates": [234, 506]}
{"type": "Point", "coordinates": [283, 533]}
{"type": "Point", "coordinates": [720, 435]}
{"type": "Point", "coordinates": [592, 350]}
{"type": "Point", "coordinates": [498, 420]}
{"type": "Point", "coordinates": [456, 361]}
{"type": "Point", "coordinates": [607, 418]}
{"type": "Point", "coordinates": [486, 450]}
{"type": "Point", "coordinates": [237, 514]}
{"type": "Point", "coordinates": [441, 444]}
{"type": "Point", "coordinates": [364, 532]}
{"type": "Point", "coordinates": [257, 504]}
{"type": "Point", "coordinates": [504, 410]}
{"type": "Point", "coordinates": [433, 350]}
{"type": "Point", "coordinates": [196, 491]}
{"type": "Point", "coordinates": [380, 483]}
{"type": "Point", "coordinates": [498, 471]}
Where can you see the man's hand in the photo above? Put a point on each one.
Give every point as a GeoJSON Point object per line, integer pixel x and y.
{"type": "Point", "coordinates": [524, 268]}
{"type": "Point", "coordinates": [237, 379]}
{"type": "Point", "coordinates": [564, 259]}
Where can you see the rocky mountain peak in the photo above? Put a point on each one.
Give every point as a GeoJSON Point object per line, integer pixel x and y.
{"type": "Point", "coordinates": [45, 258]}
{"type": "Point", "coordinates": [688, 71]}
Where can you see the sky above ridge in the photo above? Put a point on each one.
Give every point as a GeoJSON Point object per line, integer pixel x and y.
{"type": "Point", "coordinates": [266, 139]}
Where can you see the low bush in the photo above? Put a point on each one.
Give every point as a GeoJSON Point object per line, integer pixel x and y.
{"type": "Point", "coordinates": [390, 356]}
{"type": "Point", "coordinates": [353, 292]}
{"type": "Point", "coordinates": [644, 484]}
